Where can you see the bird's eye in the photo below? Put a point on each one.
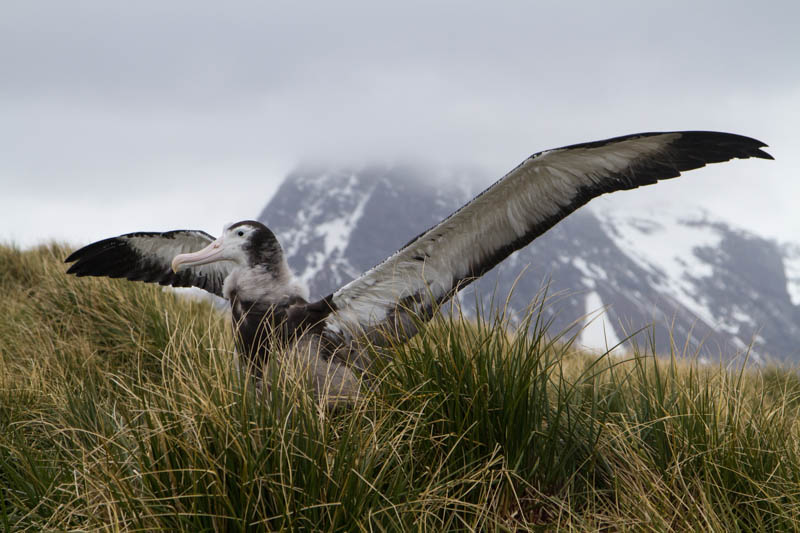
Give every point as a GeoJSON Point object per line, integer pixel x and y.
{"type": "Point", "coordinates": [240, 233]}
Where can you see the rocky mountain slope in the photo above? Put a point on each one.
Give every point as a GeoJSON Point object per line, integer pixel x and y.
{"type": "Point", "coordinates": [682, 275]}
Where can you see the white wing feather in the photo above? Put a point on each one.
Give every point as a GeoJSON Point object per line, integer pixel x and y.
{"type": "Point", "coordinates": [516, 209]}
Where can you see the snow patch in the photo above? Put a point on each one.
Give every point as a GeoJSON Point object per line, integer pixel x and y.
{"type": "Point", "coordinates": [591, 272]}
{"type": "Point", "coordinates": [317, 220]}
{"type": "Point", "coordinates": [665, 242]}
{"type": "Point", "coordinates": [598, 334]}
{"type": "Point", "coordinates": [791, 264]}
{"type": "Point", "coordinates": [337, 231]}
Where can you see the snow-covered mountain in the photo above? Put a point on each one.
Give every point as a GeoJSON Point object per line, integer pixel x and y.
{"type": "Point", "coordinates": [687, 277]}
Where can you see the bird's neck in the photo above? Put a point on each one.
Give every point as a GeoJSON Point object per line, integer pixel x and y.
{"type": "Point", "coordinates": [268, 285]}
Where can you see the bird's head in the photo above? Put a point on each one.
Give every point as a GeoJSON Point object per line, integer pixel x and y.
{"type": "Point", "coordinates": [247, 243]}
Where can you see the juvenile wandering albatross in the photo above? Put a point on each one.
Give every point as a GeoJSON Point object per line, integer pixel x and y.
{"type": "Point", "coordinates": [246, 264]}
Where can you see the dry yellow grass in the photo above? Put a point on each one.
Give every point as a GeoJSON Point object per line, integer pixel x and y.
{"type": "Point", "coordinates": [121, 409]}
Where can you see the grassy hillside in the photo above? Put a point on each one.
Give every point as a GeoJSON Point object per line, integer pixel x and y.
{"type": "Point", "coordinates": [121, 410]}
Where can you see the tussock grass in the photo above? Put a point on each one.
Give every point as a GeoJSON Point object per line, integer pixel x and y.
{"type": "Point", "coordinates": [122, 409]}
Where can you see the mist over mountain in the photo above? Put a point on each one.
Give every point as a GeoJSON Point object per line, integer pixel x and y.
{"type": "Point", "coordinates": [682, 275]}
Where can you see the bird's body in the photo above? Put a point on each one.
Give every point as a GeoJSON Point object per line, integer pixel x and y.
{"type": "Point", "coordinates": [246, 265]}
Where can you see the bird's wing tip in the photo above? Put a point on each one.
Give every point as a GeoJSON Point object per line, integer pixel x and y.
{"type": "Point", "coordinates": [761, 154]}
{"type": "Point", "coordinates": [71, 258]}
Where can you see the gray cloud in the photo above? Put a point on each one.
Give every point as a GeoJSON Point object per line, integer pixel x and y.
{"type": "Point", "coordinates": [209, 104]}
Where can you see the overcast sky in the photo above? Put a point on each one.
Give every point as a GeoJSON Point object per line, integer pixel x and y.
{"type": "Point", "coordinates": [125, 116]}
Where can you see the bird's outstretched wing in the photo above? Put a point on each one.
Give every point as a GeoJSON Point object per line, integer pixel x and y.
{"type": "Point", "coordinates": [522, 205]}
{"type": "Point", "coordinates": [147, 256]}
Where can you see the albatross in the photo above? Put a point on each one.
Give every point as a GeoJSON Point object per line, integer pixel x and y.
{"type": "Point", "coordinates": [246, 264]}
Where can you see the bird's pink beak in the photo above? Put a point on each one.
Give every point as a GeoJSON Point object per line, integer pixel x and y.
{"type": "Point", "coordinates": [209, 254]}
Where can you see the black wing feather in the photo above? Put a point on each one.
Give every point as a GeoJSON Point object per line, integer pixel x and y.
{"type": "Point", "coordinates": [147, 257]}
